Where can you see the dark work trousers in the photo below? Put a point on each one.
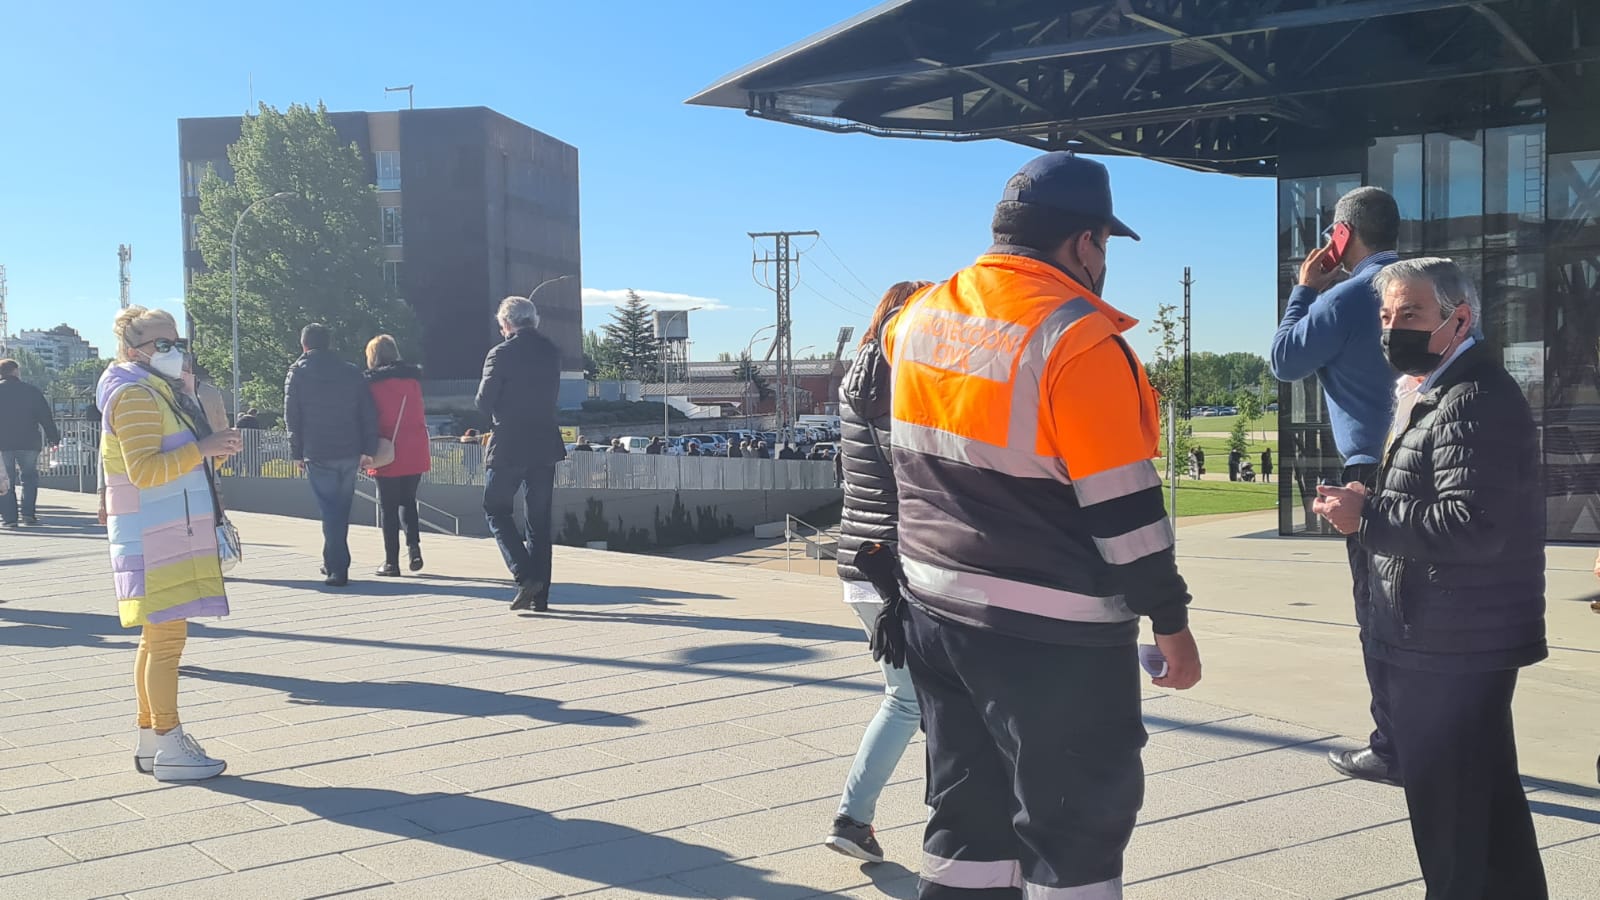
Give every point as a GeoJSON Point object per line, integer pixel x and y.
{"type": "Point", "coordinates": [1458, 758]}
{"type": "Point", "coordinates": [397, 508]}
{"type": "Point", "coordinates": [1381, 741]}
{"type": "Point", "coordinates": [526, 555]}
{"type": "Point", "coordinates": [1034, 774]}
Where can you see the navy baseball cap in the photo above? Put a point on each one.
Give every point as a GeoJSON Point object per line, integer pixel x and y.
{"type": "Point", "coordinates": [1065, 181]}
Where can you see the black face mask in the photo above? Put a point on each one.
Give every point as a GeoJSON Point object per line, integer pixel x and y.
{"type": "Point", "coordinates": [1408, 351]}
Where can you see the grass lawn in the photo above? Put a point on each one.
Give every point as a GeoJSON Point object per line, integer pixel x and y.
{"type": "Point", "coordinates": [1209, 498]}
{"type": "Point", "coordinates": [1224, 424]}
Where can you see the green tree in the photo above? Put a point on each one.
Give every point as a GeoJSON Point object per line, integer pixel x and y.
{"type": "Point", "coordinates": [750, 373]}
{"type": "Point", "coordinates": [1238, 439]}
{"type": "Point", "coordinates": [1249, 403]}
{"type": "Point", "coordinates": [1166, 376]}
{"type": "Point", "coordinates": [631, 339]}
{"type": "Point", "coordinates": [316, 256]}
{"type": "Point", "coordinates": [85, 374]}
{"type": "Point", "coordinates": [599, 364]}
{"type": "Point", "coordinates": [32, 368]}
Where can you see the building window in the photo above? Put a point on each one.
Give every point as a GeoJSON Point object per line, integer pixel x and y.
{"type": "Point", "coordinates": [392, 233]}
{"type": "Point", "coordinates": [391, 280]}
{"type": "Point", "coordinates": [1453, 198]}
{"type": "Point", "coordinates": [388, 170]}
{"type": "Point", "coordinates": [192, 232]}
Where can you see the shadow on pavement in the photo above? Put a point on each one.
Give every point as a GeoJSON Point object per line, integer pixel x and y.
{"type": "Point", "coordinates": [585, 849]}
{"type": "Point", "coordinates": [418, 696]}
{"type": "Point", "coordinates": [48, 629]}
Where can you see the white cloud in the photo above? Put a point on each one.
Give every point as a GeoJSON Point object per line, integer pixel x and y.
{"type": "Point", "coordinates": [657, 299]}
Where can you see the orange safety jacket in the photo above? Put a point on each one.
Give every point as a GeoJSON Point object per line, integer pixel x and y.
{"type": "Point", "coordinates": [1024, 428]}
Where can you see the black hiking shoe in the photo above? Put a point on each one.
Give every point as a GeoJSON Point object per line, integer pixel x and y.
{"type": "Point", "coordinates": [854, 839]}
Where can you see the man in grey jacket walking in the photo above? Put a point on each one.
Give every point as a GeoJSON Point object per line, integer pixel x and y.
{"type": "Point", "coordinates": [333, 433]}
{"type": "Point", "coordinates": [24, 411]}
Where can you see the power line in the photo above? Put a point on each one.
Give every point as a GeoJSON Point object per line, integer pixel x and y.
{"type": "Point", "coordinates": [826, 299]}
{"type": "Point", "coordinates": [829, 247]}
{"type": "Point", "coordinates": [842, 286]}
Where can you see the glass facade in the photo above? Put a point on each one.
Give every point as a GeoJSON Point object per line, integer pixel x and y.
{"type": "Point", "coordinates": [1525, 224]}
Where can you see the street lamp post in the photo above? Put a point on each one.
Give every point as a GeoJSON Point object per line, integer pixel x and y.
{"type": "Point", "coordinates": [233, 288]}
{"type": "Point", "coordinates": [666, 429]}
{"type": "Point", "coordinates": [794, 388]}
{"type": "Point", "coordinates": [750, 375]}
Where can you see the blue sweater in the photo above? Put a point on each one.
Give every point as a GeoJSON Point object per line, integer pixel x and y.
{"type": "Point", "coordinates": [1336, 336]}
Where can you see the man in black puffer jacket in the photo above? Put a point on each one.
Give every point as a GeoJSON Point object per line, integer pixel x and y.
{"type": "Point", "coordinates": [1455, 531]}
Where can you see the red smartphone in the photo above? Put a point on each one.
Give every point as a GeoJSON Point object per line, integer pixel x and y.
{"type": "Point", "coordinates": [1339, 241]}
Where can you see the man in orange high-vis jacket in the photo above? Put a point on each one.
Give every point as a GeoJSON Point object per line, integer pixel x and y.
{"type": "Point", "coordinates": [1033, 537]}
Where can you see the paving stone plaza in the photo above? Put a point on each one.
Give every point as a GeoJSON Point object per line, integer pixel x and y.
{"type": "Point", "coordinates": [670, 729]}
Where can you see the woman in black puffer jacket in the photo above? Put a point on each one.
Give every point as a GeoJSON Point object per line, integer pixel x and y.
{"type": "Point", "coordinates": [871, 514]}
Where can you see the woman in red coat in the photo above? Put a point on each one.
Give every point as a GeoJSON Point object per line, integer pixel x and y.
{"type": "Point", "coordinates": [397, 391]}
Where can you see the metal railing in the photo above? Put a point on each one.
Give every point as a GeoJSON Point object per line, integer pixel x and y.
{"type": "Point", "coordinates": [266, 455]}
{"type": "Point", "coordinates": [424, 509]}
{"type": "Point", "coordinates": [819, 544]}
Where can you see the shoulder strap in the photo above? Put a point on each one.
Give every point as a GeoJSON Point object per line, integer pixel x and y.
{"type": "Point", "coordinates": [398, 416]}
{"type": "Point", "coordinates": [205, 463]}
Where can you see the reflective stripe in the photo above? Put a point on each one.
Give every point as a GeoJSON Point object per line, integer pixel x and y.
{"type": "Point", "coordinates": [1136, 544]}
{"type": "Point", "coordinates": [1005, 460]}
{"type": "Point", "coordinates": [1028, 388]}
{"type": "Point", "coordinates": [1018, 596]}
{"type": "Point", "coordinates": [967, 345]}
{"type": "Point", "coordinates": [971, 874]}
{"type": "Point", "coordinates": [1113, 483]}
{"type": "Point", "coordinates": [1110, 889]}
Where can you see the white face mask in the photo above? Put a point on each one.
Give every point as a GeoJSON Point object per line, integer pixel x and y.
{"type": "Point", "coordinates": [169, 363]}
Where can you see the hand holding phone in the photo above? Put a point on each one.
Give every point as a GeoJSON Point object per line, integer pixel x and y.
{"type": "Point", "coordinates": [1338, 242]}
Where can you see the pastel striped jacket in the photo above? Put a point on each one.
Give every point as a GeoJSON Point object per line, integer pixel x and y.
{"type": "Point", "coordinates": [158, 501]}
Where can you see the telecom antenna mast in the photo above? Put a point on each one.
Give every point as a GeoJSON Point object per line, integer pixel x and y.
{"type": "Point", "coordinates": [124, 257]}
{"type": "Point", "coordinates": [4, 332]}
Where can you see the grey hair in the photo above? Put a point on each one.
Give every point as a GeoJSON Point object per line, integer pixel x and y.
{"type": "Point", "coordinates": [1450, 285]}
{"type": "Point", "coordinates": [1373, 215]}
{"type": "Point", "coordinates": [519, 312]}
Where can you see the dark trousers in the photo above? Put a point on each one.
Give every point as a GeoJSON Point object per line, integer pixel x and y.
{"type": "Point", "coordinates": [1034, 774]}
{"type": "Point", "coordinates": [22, 470]}
{"type": "Point", "coordinates": [1360, 571]}
{"type": "Point", "coordinates": [397, 508]}
{"type": "Point", "coordinates": [334, 484]}
{"type": "Point", "coordinates": [526, 555]}
{"type": "Point", "coordinates": [1458, 757]}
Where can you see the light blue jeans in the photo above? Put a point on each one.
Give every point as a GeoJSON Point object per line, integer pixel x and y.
{"type": "Point", "coordinates": [888, 733]}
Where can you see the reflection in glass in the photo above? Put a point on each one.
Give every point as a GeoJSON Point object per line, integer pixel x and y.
{"type": "Point", "coordinates": [1305, 208]}
{"type": "Point", "coordinates": [1513, 319]}
{"type": "Point", "coordinates": [1395, 164]}
{"type": "Point", "coordinates": [1453, 200]}
{"type": "Point", "coordinates": [1514, 186]}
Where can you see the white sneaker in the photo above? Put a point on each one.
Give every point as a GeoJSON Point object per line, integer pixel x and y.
{"type": "Point", "coordinates": [144, 753]}
{"type": "Point", "coordinates": [179, 757]}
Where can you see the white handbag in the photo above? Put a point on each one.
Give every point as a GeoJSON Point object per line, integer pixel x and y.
{"type": "Point", "coordinates": [385, 454]}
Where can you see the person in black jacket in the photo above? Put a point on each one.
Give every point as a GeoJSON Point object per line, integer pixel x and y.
{"type": "Point", "coordinates": [333, 432]}
{"type": "Point", "coordinates": [1454, 532]}
{"type": "Point", "coordinates": [23, 412]}
{"type": "Point", "coordinates": [521, 380]}
{"type": "Point", "coordinates": [871, 514]}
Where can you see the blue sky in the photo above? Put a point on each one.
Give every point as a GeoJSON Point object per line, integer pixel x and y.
{"type": "Point", "coordinates": [88, 158]}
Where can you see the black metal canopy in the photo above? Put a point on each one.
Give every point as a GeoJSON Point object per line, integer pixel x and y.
{"type": "Point", "coordinates": [1213, 85]}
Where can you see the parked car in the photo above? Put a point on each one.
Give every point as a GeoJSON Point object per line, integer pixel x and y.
{"type": "Point", "coordinates": [710, 444]}
{"type": "Point", "coordinates": [633, 442]}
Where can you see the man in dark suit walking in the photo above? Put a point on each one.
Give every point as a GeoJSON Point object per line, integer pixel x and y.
{"type": "Point", "coordinates": [521, 379]}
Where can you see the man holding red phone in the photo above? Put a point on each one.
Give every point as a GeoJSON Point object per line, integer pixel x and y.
{"type": "Point", "coordinates": [1331, 329]}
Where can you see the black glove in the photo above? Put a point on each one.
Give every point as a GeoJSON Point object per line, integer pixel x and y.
{"type": "Point", "coordinates": [881, 564]}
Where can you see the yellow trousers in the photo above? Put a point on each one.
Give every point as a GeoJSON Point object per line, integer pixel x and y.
{"type": "Point", "coordinates": [155, 673]}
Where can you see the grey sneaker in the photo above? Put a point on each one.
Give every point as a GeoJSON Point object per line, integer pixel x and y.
{"type": "Point", "coordinates": [854, 839]}
{"type": "Point", "coordinates": [144, 752]}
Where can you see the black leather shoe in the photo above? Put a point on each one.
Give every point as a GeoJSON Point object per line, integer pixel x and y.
{"type": "Point", "coordinates": [530, 596]}
{"type": "Point", "coordinates": [416, 558]}
{"type": "Point", "coordinates": [389, 570]}
{"type": "Point", "coordinates": [1362, 764]}
{"type": "Point", "coordinates": [337, 579]}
